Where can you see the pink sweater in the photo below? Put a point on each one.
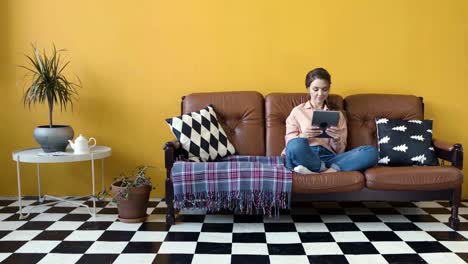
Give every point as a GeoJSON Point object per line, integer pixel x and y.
{"type": "Point", "coordinates": [301, 117]}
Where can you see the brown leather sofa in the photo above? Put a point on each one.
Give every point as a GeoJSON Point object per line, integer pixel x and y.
{"type": "Point", "coordinates": [256, 126]}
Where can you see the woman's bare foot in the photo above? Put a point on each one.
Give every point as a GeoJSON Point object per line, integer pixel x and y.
{"type": "Point", "coordinates": [303, 170]}
{"type": "Point", "coordinates": [329, 170]}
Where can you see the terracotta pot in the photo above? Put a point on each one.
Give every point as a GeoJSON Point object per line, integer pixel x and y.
{"type": "Point", "coordinates": [133, 209]}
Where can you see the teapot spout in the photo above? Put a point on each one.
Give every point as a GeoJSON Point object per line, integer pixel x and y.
{"type": "Point", "coordinates": [71, 144]}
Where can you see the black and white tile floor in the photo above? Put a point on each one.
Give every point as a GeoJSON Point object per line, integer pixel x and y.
{"type": "Point", "coordinates": [323, 232]}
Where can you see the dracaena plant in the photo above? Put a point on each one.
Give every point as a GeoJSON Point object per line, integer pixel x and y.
{"type": "Point", "coordinates": [48, 82]}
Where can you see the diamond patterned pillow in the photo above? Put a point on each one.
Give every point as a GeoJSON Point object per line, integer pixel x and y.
{"type": "Point", "coordinates": [201, 135]}
{"type": "Point", "coordinates": [405, 142]}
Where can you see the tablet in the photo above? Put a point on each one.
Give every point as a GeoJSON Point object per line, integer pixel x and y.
{"type": "Point", "coordinates": [324, 120]}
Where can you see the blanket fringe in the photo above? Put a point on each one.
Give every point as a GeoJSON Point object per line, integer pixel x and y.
{"type": "Point", "coordinates": [247, 202]}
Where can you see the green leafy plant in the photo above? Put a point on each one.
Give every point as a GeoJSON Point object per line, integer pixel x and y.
{"type": "Point", "coordinates": [48, 83]}
{"type": "Point", "coordinates": [127, 180]}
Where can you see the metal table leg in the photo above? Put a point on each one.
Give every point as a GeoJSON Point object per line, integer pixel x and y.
{"type": "Point", "coordinates": [92, 175]}
{"type": "Point", "coordinates": [18, 176]}
{"type": "Point", "coordinates": [39, 198]}
{"type": "Point", "coordinates": [103, 186]}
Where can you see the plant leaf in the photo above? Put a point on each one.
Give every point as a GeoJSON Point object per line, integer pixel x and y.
{"type": "Point", "coordinates": [47, 81]}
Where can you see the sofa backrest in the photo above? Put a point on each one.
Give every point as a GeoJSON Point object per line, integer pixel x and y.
{"type": "Point", "coordinates": [277, 109]}
{"type": "Point", "coordinates": [241, 114]}
{"type": "Point", "coordinates": [362, 109]}
{"type": "Point", "coordinates": [256, 126]}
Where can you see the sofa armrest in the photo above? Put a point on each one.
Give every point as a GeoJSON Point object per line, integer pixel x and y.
{"type": "Point", "coordinates": [449, 152]}
{"type": "Point", "coordinates": [171, 152]}
{"type": "Point", "coordinates": [442, 145]}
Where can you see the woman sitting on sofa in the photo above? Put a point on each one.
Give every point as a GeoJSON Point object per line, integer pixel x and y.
{"type": "Point", "coordinates": [307, 154]}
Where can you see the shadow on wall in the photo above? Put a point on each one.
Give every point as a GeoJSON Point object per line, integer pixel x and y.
{"type": "Point", "coordinates": [105, 120]}
{"type": "Point", "coordinates": [5, 43]}
{"type": "Point", "coordinates": [6, 69]}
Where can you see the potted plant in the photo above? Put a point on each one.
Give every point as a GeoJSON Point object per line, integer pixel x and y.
{"type": "Point", "coordinates": [131, 193]}
{"type": "Point", "coordinates": [49, 84]}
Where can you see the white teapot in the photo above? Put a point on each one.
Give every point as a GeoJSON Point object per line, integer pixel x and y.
{"type": "Point", "coordinates": [81, 145]}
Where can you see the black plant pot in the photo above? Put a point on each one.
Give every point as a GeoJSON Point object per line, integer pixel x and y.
{"type": "Point", "coordinates": [53, 138]}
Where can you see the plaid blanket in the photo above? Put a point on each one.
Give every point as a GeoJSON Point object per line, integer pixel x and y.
{"type": "Point", "coordinates": [244, 183]}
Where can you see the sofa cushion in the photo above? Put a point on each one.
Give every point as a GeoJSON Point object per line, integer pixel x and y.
{"type": "Point", "coordinates": [201, 136]}
{"type": "Point", "coordinates": [327, 182]}
{"type": "Point", "coordinates": [241, 114]}
{"type": "Point", "coordinates": [362, 110]}
{"type": "Point", "coordinates": [405, 142]}
{"type": "Point", "coordinates": [278, 106]}
{"type": "Point", "coordinates": [413, 178]}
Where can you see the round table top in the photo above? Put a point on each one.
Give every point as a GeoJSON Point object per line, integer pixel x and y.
{"type": "Point", "coordinates": [37, 155]}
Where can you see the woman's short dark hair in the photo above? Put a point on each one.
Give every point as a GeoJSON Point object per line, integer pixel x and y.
{"type": "Point", "coordinates": [317, 73]}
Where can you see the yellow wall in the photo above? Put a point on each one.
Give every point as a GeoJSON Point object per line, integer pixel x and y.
{"type": "Point", "coordinates": [136, 59]}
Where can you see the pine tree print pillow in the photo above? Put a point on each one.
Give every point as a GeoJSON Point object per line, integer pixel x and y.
{"type": "Point", "coordinates": [405, 142]}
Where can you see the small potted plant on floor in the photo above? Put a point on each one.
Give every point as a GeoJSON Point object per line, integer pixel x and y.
{"type": "Point", "coordinates": [131, 193]}
{"type": "Point", "coordinates": [49, 85]}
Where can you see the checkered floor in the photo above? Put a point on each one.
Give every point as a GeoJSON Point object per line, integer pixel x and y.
{"type": "Point", "coordinates": [323, 232]}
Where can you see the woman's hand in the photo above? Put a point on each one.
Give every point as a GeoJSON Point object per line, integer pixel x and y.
{"type": "Point", "coordinates": [311, 132]}
{"type": "Point", "coordinates": [334, 132]}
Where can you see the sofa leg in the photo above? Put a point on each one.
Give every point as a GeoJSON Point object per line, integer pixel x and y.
{"type": "Point", "coordinates": [454, 221]}
{"type": "Point", "coordinates": [170, 216]}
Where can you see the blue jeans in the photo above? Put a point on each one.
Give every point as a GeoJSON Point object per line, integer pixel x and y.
{"type": "Point", "coordinates": [319, 158]}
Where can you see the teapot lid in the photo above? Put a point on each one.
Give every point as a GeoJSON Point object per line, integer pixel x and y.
{"type": "Point", "coordinates": [80, 137]}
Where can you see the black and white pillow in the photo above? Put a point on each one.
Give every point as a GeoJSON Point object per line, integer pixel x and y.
{"type": "Point", "coordinates": [201, 135]}
{"type": "Point", "coordinates": [405, 142]}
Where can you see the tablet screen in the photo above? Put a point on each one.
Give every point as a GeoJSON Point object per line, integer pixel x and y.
{"type": "Point", "coordinates": [324, 120]}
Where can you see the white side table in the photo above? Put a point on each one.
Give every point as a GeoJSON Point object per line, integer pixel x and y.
{"type": "Point", "coordinates": [36, 155]}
